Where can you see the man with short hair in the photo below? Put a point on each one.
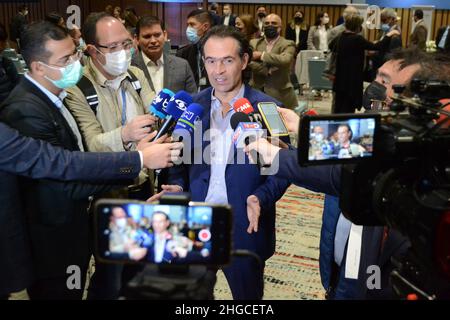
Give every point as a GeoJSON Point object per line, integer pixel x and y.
{"type": "Point", "coordinates": [110, 104]}
{"type": "Point", "coordinates": [161, 70]}
{"type": "Point", "coordinates": [418, 37]}
{"type": "Point", "coordinates": [228, 18]}
{"type": "Point", "coordinates": [271, 63]}
{"type": "Point", "coordinates": [260, 17]}
{"type": "Point", "coordinates": [220, 178]}
{"type": "Point", "coordinates": [198, 23]}
{"type": "Point", "coordinates": [18, 24]}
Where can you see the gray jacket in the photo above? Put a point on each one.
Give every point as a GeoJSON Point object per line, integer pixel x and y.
{"type": "Point", "coordinates": [177, 73]}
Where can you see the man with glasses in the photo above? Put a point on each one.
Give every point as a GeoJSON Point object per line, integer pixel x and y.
{"type": "Point", "coordinates": [110, 106]}
{"type": "Point", "coordinates": [56, 212]}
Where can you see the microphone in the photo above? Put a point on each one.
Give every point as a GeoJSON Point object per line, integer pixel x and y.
{"type": "Point", "coordinates": [244, 106]}
{"type": "Point", "coordinates": [175, 108]}
{"type": "Point", "coordinates": [245, 132]}
{"type": "Point", "coordinates": [158, 107]}
{"type": "Point", "coordinates": [184, 129]}
{"type": "Point", "coordinates": [310, 112]}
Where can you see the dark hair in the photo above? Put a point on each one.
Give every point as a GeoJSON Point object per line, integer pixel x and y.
{"type": "Point", "coordinates": [418, 13]}
{"type": "Point", "coordinates": [202, 16]}
{"type": "Point", "coordinates": [22, 7]}
{"type": "Point", "coordinates": [148, 21]}
{"type": "Point", "coordinates": [409, 57]}
{"type": "Point", "coordinates": [260, 6]}
{"type": "Point", "coordinates": [35, 37]}
{"type": "Point", "coordinates": [90, 26]}
{"type": "Point", "coordinates": [213, 6]}
{"type": "Point", "coordinates": [318, 17]}
{"type": "Point", "coordinates": [131, 9]}
{"type": "Point", "coordinates": [250, 25]}
{"type": "Point", "coordinates": [301, 11]}
{"type": "Point", "coordinates": [3, 33]}
{"type": "Point", "coordinates": [353, 23]}
{"type": "Point", "coordinates": [163, 213]}
{"type": "Point", "coordinates": [53, 17]}
{"type": "Point", "coordinates": [223, 32]}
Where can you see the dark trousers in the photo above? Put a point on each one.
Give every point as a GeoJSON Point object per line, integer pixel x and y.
{"type": "Point", "coordinates": [245, 278]}
{"type": "Point", "coordinates": [344, 103]}
{"type": "Point", "coordinates": [56, 288]}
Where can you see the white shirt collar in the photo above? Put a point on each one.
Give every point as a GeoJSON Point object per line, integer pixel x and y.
{"type": "Point", "coordinates": [57, 100]}
{"type": "Point", "coordinates": [147, 60]}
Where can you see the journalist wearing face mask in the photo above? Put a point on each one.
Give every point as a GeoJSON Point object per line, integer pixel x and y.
{"type": "Point", "coordinates": [118, 58]}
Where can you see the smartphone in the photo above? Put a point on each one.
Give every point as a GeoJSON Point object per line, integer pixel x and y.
{"type": "Point", "coordinates": [272, 119]}
{"type": "Point", "coordinates": [338, 138]}
{"type": "Point", "coordinates": [130, 231]}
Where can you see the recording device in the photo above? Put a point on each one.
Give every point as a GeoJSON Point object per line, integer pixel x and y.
{"type": "Point", "coordinates": [272, 119]}
{"type": "Point", "coordinates": [245, 132]}
{"type": "Point", "coordinates": [403, 183]}
{"type": "Point", "coordinates": [165, 234]}
{"type": "Point", "coordinates": [159, 104]}
{"type": "Point", "coordinates": [342, 138]}
{"type": "Point", "coordinates": [175, 108]}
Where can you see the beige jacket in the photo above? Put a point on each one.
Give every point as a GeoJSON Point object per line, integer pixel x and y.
{"type": "Point", "coordinates": [101, 132]}
{"type": "Point", "coordinates": [273, 73]}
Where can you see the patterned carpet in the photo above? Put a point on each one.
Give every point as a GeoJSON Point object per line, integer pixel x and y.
{"type": "Point", "coordinates": [293, 272]}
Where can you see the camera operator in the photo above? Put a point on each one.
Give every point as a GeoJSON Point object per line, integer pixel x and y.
{"type": "Point", "coordinates": [378, 244]}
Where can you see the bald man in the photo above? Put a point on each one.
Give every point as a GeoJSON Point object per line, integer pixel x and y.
{"type": "Point", "coordinates": [271, 61]}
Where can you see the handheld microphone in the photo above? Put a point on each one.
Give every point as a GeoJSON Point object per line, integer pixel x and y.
{"type": "Point", "coordinates": [244, 106]}
{"type": "Point", "coordinates": [245, 132]}
{"type": "Point", "coordinates": [175, 108]}
{"type": "Point", "coordinates": [158, 107]}
{"type": "Point", "coordinates": [184, 129]}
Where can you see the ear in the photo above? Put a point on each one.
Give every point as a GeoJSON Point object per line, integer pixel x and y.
{"type": "Point", "coordinates": [37, 68]}
{"type": "Point", "coordinates": [165, 35]}
{"type": "Point", "coordinates": [245, 59]}
{"type": "Point", "coordinates": [90, 48]}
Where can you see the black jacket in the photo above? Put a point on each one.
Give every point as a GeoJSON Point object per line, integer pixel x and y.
{"type": "Point", "coordinates": [190, 53]}
{"type": "Point", "coordinates": [232, 22]}
{"type": "Point", "coordinates": [439, 36]}
{"type": "Point", "coordinates": [290, 35]}
{"type": "Point", "coordinates": [55, 212]}
{"type": "Point", "coordinates": [8, 77]}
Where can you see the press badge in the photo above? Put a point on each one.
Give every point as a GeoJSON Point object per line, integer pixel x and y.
{"type": "Point", "coordinates": [353, 252]}
{"type": "Point", "coordinates": [202, 81]}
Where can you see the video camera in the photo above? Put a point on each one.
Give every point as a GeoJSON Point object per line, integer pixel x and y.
{"type": "Point", "coordinates": [395, 172]}
{"type": "Point", "coordinates": [179, 243]}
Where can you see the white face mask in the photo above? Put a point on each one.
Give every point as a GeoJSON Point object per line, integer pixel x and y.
{"type": "Point", "coordinates": [117, 63]}
{"type": "Point", "coordinates": [121, 223]}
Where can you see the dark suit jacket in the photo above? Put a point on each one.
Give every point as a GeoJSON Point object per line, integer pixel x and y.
{"type": "Point", "coordinates": [177, 73]}
{"type": "Point", "coordinates": [232, 21]}
{"type": "Point", "coordinates": [190, 54]}
{"type": "Point", "coordinates": [326, 179]}
{"type": "Point", "coordinates": [56, 212]}
{"type": "Point", "coordinates": [38, 159]}
{"type": "Point", "coordinates": [303, 37]}
{"type": "Point", "coordinates": [242, 180]}
{"type": "Point", "coordinates": [439, 36]}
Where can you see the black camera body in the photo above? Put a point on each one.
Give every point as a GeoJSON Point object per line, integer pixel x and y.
{"type": "Point", "coordinates": [405, 184]}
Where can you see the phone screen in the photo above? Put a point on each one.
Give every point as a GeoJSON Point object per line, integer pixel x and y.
{"type": "Point", "coordinates": [272, 119]}
{"type": "Point", "coordinates": [161, 234]}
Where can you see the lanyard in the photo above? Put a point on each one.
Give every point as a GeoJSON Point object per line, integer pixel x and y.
{"type": "Point", "coordinates": [124, 107]}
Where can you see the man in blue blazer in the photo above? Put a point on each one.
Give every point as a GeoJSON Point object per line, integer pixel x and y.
{"type": "Point", "coordinates": [219, 178]}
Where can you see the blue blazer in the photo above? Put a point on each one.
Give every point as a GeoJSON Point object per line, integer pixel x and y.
{"type": "Point", "coordinates": [242, 180]}
{"type": "Point", "coordinates": [326, 179]}
{"type": "Point", "coordinates": [37, 159]}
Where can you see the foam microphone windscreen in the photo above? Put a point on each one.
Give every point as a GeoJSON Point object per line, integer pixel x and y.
{"type": "Point", "coordinates": [237, 118]}
{"type": "Point", "coordinates": [311, 112]}
{"type": "Point", "coordinates": [193, 113]}
{"type": "Point", "coordinates": [159, 104]}
{"type": "Point", "coordinates": [243, 105]}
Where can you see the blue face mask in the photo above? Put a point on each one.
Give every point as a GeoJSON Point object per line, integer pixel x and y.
{"type": "Point", "coordinates": [191, 34]}
{"type": "Point", "coordinates": [385, 27]}
{"type": "Point", "coordinates": [70, 75]}
{"type": "Point", "coordinates": [132, 51]}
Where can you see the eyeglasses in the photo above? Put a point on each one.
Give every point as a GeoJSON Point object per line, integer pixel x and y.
{"type": "Point", "coordinates": [127, 44]}
{"type": "Point", "coordinates": [68, 61]}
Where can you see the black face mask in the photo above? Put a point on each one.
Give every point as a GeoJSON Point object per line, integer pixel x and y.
{"type": "Point", "coordinates": [261, 15]}
{"type": "Point", "coordinates": [298, 20]}
{"type": "Point", "coordinates": [375, 91]}
{"type": "Point", "coordinates": [271, 32]}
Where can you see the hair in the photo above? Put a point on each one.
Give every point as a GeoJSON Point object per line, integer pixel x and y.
{"type": "Point", "coordinates": [3, 33]}
{"type": "Point", "coordinates": [260, 6]}
{"type": "Point", "coordinates": [388, 13]}
{"type": "Point", "coordinates": [202, 16]}
{"type": "Point", "coordinates": [73, 30]}
{"type": "Point", "coordinates": [23, 7]}
{"type": "Point", "coordinates": [408, 57]}
{"type": "Point", "coordinates": [109, 9]}
{"type": "Point", "coordinates": [223, 32]}
{"type": "Point", "coordinates": [318, 17]}
{"type": "Point", "coordinates": [163, 213]}
{"type": "Point", "coordinates": [148, 21]}
{"type": "Point", "coordinates": [227, 4]}
{"type": "Point", "coordinates": [354, 23]}
{"type": "Point", "coordinates": [131, 9]}
{"type": "Point", "coordinates": [301, 11]}
{"type": "Point", "coordinates": [131, 19]}
{"type": "Point", "coordinates": [213, 6]}
{"type": "Point", "coordinates": [250, 25]}
{"type": "Point", "coordinates": [349, 11]}
{"type": "Point", "coordinates": [90, 26]}
{"type": "Point", "coordinates": [348, 128]}
{"type": "Point", "coordinates": [53, 17]}
{"type": "Point", "coordinates": [418, 13]}
{"type": "Point", "coordinates": [35, 37]}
